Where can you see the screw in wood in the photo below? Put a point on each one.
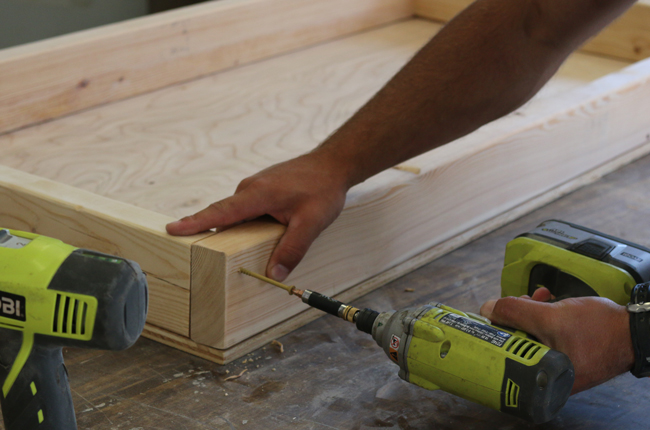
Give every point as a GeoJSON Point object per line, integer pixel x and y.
{"type": "Point", "coordinates": [290, 289]}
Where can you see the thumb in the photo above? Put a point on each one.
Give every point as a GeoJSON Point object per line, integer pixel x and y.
{"type": "Point", "coordinates": [519, 313]}
{"type": "Point", "coordinates": [291, 249]}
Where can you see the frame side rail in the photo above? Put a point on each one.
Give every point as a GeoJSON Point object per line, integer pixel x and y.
{"type": "Point", "coordinates": [87, 220]}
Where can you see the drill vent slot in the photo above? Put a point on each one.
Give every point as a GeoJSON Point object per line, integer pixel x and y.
{"type": "Point", "coordinates": [512, 394]}
{"type": "Point", "coordinates": [69, 316]}
{"type": "Point", "coordinates": [523, 348]}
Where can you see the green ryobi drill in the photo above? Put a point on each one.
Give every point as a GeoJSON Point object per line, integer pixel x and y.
{"type": "Point", "coordinates": [437, 347]}
{"type": "Point", "coordinates": [54, 295]}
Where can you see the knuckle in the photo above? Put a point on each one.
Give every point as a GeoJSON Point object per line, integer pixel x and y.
{"type": "Point", "coordinates": [313, 218]}
{"type": "Point", "coordinates": [191, 218]}
{"type": "Point", "coordinates": [220, 206]}
{"type": "Point", "coordinates": [261, 188]}
{"type": "Point", "coordinates": [245, 183]}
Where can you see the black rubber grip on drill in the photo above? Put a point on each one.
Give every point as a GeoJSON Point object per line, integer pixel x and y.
{"type": "Point", "coordinates": [324, 303]}
{"type": "Point", "coordinates": [40, 396]}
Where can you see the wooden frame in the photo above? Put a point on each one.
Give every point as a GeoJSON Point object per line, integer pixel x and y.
{"type": "Point", "coordinates": [198, 301]}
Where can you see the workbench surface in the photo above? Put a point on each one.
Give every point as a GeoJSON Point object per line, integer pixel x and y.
{"type": "Point", "coordinates": [331, 376]}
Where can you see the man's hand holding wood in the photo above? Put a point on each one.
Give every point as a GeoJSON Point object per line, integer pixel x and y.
{"type": "Point", "coordinates": [306, 194]}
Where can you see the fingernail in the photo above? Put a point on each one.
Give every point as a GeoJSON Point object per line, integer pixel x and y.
{"type": "Point", "coordinates": [279, 272]}
{"type": "Point", "coordinates": [173, 227]}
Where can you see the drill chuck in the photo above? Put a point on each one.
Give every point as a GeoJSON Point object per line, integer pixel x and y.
{"type": "Point", "coordinates": [329, 305]}
{"type": "Point", "coordinates": [363, 318]}
{"type": "Point", "coordinates": [366, 320]}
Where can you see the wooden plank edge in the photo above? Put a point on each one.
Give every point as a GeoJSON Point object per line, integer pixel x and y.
{"type": "Point", "coordinates": [207, 293]}
{"type": "Point", "coordinates": [55, 77]}
{"type": "Point", "coordinates": [87, 220]}
{"type": "Point", "coordinates": [169, 306]}
{"type": "Point", "coordinates": [291, 324]}
{"type": "Point", "coordinates": [626, 38]}
{"type": "Point", "coordinates": [176, 341]}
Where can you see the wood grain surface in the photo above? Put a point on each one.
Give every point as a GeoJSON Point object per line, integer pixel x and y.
{"type": "Point", "coordinates": [179, 149]}
{"type": "Point", "coordinates": [62, 75]}
{"type": "Point", "coordinates": [332, 376]}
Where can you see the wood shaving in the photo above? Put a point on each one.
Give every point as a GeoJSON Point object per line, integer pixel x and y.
{"type": "Point", "coordinates": [235, 376]}
{"type": "Point", "coordinates": [410, 169]}
{"type": "Point", "coordinates": [279, 345]}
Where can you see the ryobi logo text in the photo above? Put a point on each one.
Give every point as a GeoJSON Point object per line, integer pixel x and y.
{"type": "Point", "coordinates": [12, 306]}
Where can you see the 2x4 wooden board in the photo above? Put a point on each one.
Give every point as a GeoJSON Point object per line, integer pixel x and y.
{"type": "Point", "coordinates": [110, 177]}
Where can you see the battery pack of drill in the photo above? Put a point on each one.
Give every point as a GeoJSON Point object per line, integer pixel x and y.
{"type": "Point", "coordinates": [573, 261]}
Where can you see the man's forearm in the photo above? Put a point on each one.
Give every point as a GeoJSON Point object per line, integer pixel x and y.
{"type": "Point", "coordinates": [485, 63]}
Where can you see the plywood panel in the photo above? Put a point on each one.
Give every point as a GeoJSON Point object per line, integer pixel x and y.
{"type": "Point", "coordinates": [65, 74]}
